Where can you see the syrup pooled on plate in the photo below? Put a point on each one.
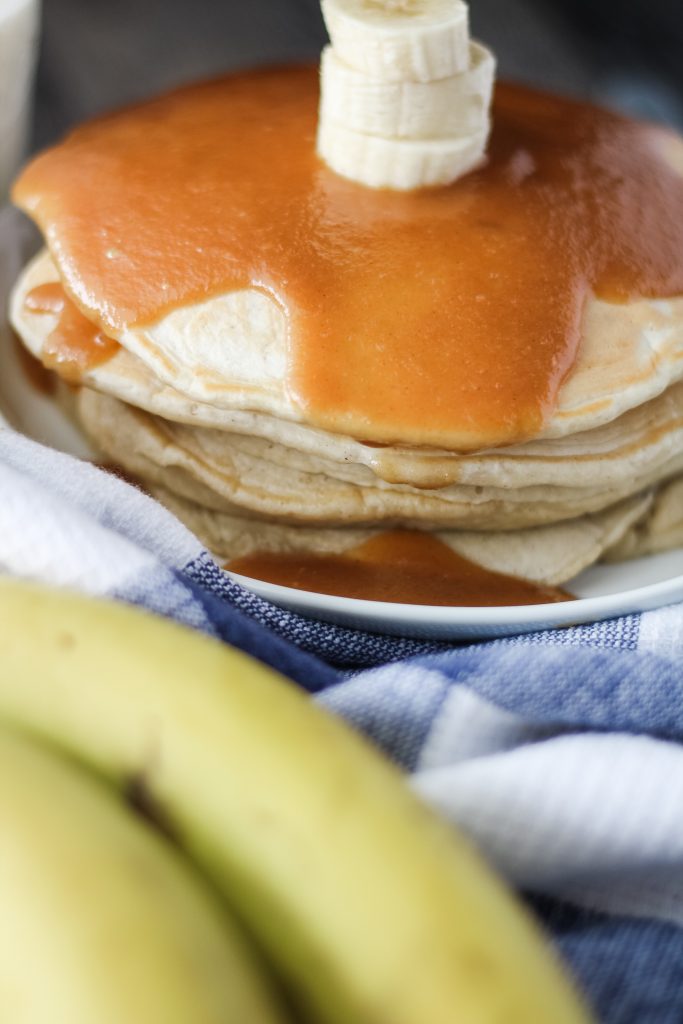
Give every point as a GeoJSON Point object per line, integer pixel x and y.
{"type": "Point", "coordinates": [403, 567]}
{"type": "Point", "coordinates": [446, 317]}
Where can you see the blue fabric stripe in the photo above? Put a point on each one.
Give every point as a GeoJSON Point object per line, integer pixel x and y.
{"type": "Point", "coordinates": [237, 628]}
{"type": "Point", "coordinates": [392, 711]}
{"type": "Point", "coordinates": [619, 691]}
{"type": "Point", "coordinates": [632, 969]}
{"type": "Point", "coordinates": [619, 634]}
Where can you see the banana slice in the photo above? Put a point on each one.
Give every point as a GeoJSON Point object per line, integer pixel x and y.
{"type": "Point", "coordinates": [457, 105]}
{"type": "Point", "coordinates": [402, 164]}
{"type": "Point", "coordinates": [400, 40]}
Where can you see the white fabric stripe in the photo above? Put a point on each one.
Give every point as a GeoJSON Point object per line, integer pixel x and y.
{"type": "Point", "coordinates": [566, 812]}
{"type": "Point", "coordinates": [469, 726]}
{"type": "Point", "coordinates": [596, 819]}
{"type": "Point", "coordinates": [662, 633]}
{"type": "Point", "coordinates": [43, 538]}
{"type": "Point", "coordinates": [103, 498]}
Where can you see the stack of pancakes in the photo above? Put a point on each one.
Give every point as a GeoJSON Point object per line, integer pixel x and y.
{"type": "Point", "coordinates": [196, 406]}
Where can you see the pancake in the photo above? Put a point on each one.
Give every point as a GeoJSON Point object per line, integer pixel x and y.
{"type": "Point", "coordinates": [550, 555]}
{"type": "Point", "coordinates": [229, 353]}
{"type": "Point", "coordinates": [645, 438]}
{"type": "Point", "coordinates": [660, 529]}
{"type": "Point", "coordinates": [233, 472]}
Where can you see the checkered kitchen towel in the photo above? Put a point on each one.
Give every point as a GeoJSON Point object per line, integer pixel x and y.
{"type": "Point", "coordinates": [560, 752]}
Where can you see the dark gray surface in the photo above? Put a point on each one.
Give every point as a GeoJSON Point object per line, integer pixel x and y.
{"type": "Point", "coordinates": [97, 54]}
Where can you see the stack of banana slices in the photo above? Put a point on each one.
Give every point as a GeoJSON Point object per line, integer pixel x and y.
{"type": "Point", "coordinates": [152, 798]}
{"type": "Point", "coordinates": [405, 94]}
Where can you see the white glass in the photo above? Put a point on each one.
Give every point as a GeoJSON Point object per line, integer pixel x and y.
{"type": "Point", "coordinates": [18, 45]}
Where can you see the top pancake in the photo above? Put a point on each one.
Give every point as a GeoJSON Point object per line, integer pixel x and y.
{"type": "Point", "coordinates": [629, 354]}
{"type": "Point", "coordinates": [459, 319]}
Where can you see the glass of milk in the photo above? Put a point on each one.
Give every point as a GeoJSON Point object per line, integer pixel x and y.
{"type": "Point", "coordinates": [18, 46]}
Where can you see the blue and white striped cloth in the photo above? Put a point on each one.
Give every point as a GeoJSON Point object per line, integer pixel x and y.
{"type": "Point", "coordinates": [559, 753]}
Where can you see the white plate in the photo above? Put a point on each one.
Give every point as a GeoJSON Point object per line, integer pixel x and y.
{"type": "Point", "coordinates": [604, 591]}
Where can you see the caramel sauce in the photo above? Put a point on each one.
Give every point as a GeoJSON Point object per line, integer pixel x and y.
{"type": "Point", "coordinates": [447, 317]}
{"type": "Point", "coordinates": [400, 567]}
{"type": "Point", "coordinates": [75, 345]}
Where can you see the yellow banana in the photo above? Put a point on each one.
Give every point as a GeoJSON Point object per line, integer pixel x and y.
{"type": "Point", "coordinates": [102, 922]}
{"type": "Point", "coordinates": [372, 910]}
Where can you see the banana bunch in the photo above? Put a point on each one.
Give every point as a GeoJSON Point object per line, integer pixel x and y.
{"type": "Point", "coordinates": [250, 801]}
{"type": "Point", "coordinates": [405, 94]}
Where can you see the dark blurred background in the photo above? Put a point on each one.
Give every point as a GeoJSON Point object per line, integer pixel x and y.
{"type": "Point", "coordinates": [100, 53]}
